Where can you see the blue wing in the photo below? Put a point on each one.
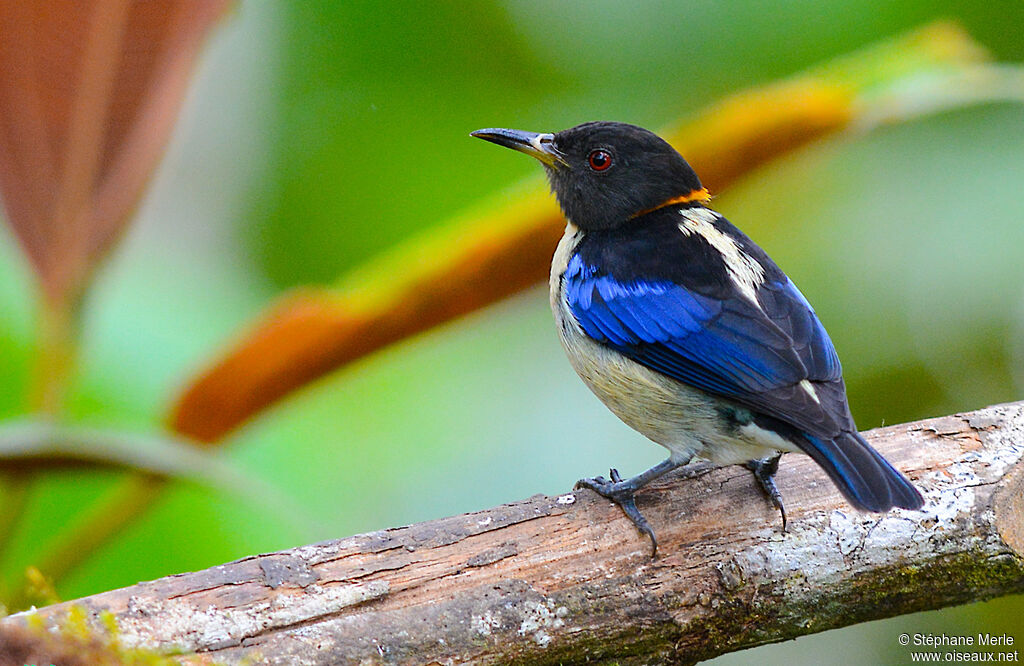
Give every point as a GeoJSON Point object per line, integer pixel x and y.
{"type": "Point", "coordinates": [756, 355]}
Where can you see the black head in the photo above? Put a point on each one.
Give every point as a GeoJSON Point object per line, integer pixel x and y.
{"type": "Point", "coordinates": [605, 174]}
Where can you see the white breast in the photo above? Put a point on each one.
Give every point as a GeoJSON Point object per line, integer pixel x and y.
{"type": "Point", "coordinates": [685, 420]}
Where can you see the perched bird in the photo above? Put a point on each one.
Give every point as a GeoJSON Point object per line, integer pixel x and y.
{"type": "Point", "coordinates": [685, 328]}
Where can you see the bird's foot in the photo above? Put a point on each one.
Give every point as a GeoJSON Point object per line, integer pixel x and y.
{"type": "Point", "coordinates": [764, 471]}
{"type": "Point", "coordinates": [622, 493]}
{"type": "Point", "coordinates": [694, 470]}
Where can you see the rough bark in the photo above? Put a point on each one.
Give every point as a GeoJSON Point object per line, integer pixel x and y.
{"type": "Point", "coordinates": [567, 579]}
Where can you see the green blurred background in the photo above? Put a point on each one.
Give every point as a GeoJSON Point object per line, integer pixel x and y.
{"type": "Point", "coordinates": [319, 133]}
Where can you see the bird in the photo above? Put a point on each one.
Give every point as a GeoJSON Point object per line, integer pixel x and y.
{"type": "Point", "coordinates": [685, 328]}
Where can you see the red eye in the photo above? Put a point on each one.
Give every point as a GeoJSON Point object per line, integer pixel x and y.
{"type": "Point", "coordinates": [599, 160]}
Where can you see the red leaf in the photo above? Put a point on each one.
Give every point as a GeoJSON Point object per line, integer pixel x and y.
{"type": "Point", "coordinates": [89, 90]}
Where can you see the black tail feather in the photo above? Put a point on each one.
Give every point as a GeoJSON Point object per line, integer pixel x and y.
{"type": "Point", "coordinates": [866, 479]}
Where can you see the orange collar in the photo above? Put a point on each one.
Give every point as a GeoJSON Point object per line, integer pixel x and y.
{"type": "Point", "coordinates": [694, 195]}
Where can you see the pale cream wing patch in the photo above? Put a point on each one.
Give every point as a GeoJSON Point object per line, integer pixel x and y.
{"type": "Point", "coordinates": [746, 272]}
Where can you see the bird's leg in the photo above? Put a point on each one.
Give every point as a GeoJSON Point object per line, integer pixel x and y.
{"type": "Point", "coordinates": [623, 493]}
{"type": "Point", "coordinates": [764, 471]}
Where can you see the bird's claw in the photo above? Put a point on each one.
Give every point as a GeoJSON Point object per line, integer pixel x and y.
{"type": "Point", "coordinates": [593, 483]}
{"type": "Point", "coordinates": [622, 493]}
{"type": "Point", "coordinates": [764, 471]}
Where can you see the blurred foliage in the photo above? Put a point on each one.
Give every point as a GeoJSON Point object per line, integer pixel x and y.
{"type": "Point", "coordinates": [503, 244]}
{"type": "Point", "coordinates": [319, 133]}
{"type": "Point", "coordinates": [375, 105]}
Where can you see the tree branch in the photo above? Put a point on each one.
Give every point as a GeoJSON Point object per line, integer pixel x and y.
{"type": "Point", "coordinates": [567, 579]}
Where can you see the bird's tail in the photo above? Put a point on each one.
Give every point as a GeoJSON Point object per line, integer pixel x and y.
{"type": "Point", "coordinates": [865, 478]}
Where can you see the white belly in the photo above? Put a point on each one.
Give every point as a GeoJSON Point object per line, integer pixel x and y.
{"type": "Point", "coordinates": [686, 421]}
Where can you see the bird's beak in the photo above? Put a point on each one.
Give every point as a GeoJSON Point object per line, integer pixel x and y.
{"type": "Point", "coordinates": [541, 146]}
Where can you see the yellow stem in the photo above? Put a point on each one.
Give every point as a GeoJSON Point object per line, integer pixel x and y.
{"type": "Point", "coordinates": [16, 484]}
{"type": "Point", "coordinates": [129, 499]}
{"type": "Point", "coordinates": [56, 354]}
